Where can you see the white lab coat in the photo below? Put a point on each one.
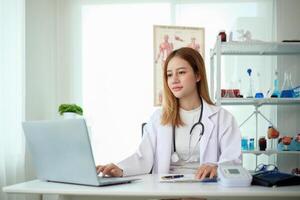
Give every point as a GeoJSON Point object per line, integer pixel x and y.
{"type": "Point", "coordinates": [221, 142]}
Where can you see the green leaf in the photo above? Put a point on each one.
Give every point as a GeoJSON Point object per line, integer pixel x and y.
{"type": "Point", "coordinates": [70, 108]}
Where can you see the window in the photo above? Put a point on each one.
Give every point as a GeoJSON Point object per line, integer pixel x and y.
{"type": "Point", "coordinates": [117, 73]}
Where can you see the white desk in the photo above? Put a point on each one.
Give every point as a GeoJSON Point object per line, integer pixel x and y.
{"type": "Point", "coordinates": [149, 187]}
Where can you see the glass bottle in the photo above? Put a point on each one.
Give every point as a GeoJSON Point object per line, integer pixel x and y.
{"type": "Point", "coordinates": [276, 92]}
{"type": "Point", "coordinates": [297, 91]}
{"type": "Point", "coordinates": [238, 91]}
{"type": "Point", "coordinates": [258, 93]}
{"type": "Point", "coordinates": [250, 87]}
{"type": "Point", "coordinates": [287, 88]}
{"type": "Point", "coordinates": [245, 143]}
{"type": "Point", "coordinates": [251, 144]}
{"type": "Point", "coordinates": [262, 142]}
{"type": "Point", "coordinates": [286, 141]}
{"type": "Point", "coordinates": [272, 134]}
{"type": "Point", "coordinates": [223, 35]}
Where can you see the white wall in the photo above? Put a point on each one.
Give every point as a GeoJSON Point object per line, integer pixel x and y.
{"type": "Point", "coordinates": [288, 117]}
{"type": "Point", "coordinates": [53, 59]}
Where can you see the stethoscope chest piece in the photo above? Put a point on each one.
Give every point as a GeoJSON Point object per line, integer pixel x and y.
{"type": "Point", "coordinates": [174, 157]}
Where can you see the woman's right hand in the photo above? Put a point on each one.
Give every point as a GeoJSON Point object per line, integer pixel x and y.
{"type": "Point", "coordinates": [110, 170]}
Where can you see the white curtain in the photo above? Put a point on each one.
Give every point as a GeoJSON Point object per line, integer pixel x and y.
{"type": "Point", "coordinates": [12, 151]}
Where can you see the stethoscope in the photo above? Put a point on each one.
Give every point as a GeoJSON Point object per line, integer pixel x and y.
{"type": "Point", "coordinates": [175, 156]}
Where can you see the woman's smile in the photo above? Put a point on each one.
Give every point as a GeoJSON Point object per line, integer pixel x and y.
{"type": "Point", "coordinates": [176, 88]}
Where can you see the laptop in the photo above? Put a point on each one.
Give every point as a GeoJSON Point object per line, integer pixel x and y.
{"type": "Point", "coordinates": [61, 152]}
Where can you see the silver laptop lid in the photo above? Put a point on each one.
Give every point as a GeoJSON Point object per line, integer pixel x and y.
{"type": "Point", "coordinates": [61, 151]}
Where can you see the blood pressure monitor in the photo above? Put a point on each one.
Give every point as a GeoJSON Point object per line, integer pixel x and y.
{"type": "Point", "coordinates": [233, 176]}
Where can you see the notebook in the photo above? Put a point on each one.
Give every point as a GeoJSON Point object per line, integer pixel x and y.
{"type": "Point", "coordinates": [61, 152]}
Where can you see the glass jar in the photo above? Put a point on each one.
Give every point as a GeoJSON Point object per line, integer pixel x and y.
{"type": "Point", "coordinates": [298, 137]}
{"type": "Point", "coordinates": [244, 143]}
{"type": "Point", "coordinates": [287, 87]}
{"type": "Point", "coordinates": [251, 144]}
{"type": "Point", "coordinates": [223, 35]}
{"type": "Point", "coordinates": [286, 141]}
{"type": "Point", "coordinates": [262, 142]}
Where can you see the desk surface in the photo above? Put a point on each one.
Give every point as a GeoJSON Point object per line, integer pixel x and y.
{"type": "Point", "coordinates": [149, 186]}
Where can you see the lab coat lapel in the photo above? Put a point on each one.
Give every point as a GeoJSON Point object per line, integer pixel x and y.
{"type": "Point", "coordinates": [209, 125]}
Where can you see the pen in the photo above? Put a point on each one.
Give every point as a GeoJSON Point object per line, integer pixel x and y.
{"type": "Point", "coordinates": [172, 176]}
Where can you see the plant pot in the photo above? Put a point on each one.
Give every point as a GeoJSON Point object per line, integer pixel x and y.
{"type": "Point", "coordinates": [70, 115]}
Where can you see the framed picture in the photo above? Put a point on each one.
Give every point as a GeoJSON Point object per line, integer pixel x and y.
{"type": "Point", "coordinates": [169, 38]}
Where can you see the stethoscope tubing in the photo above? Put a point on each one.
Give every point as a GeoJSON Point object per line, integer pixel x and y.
{"type": "Point", "coordinates": [191, 131]}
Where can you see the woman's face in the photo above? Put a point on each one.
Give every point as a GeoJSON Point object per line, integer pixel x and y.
{"type": "Point", "coordinates": [181, 78]}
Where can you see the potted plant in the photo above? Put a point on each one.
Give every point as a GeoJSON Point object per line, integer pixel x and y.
{"type": "Point", "coordinates": [70, 110]}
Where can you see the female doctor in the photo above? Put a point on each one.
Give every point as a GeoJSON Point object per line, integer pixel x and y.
{"type": "Point", "coordinates": [189, 135]}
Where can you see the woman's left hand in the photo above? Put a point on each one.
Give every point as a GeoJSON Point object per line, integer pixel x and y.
{"type": "Point", "coordinates": [206, 170]}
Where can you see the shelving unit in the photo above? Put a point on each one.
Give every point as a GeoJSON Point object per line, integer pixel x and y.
{"type": "Point", "coordinates": [250, 48]}
{"type": "Point", "coordinates": [244, 48]}
{"type": "Point", "coordinates": [256, 48]}
{"type": "Point", "coordinates": [270, 152]}
{"type": "Point", "coordinates": [260, 102]}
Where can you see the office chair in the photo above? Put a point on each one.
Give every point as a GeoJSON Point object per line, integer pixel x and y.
{"type": "Point", "coordinates": [143, 126]}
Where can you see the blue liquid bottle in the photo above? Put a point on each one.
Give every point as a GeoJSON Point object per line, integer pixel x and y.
{"type": "Point", "coordinates": [251, 144]}
{"type": "Point", "coordinates": [244, 143]}
{"type": "Point", "coordinates": [276, 92]}
{"type": "Point", "coordinates": [287, 88]}
{"type": "Point", "coordinates": [259, 93]}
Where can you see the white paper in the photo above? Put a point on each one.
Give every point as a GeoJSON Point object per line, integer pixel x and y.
{"type": "Point", "coordinates": [187, 178]}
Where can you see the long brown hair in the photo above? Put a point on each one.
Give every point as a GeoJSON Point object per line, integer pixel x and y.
{"type": "Point", "coordinates": [170, 113]}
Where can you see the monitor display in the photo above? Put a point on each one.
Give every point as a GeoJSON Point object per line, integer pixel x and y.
{"type": "Point", "coordinates": [233, 171]}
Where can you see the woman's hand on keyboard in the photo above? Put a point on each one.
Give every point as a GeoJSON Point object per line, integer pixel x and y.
{"type": "Point", "coordinates": [109, 170]}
